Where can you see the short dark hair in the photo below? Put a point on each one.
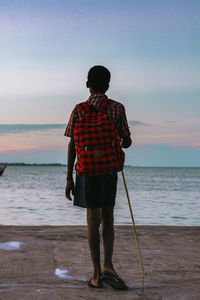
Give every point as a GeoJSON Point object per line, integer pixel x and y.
{"type": "Point", "coordinates": [98, 78]}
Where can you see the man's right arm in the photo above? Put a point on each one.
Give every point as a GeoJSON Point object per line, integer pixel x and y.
{"type": "Point", "coordinates": [70, 165]}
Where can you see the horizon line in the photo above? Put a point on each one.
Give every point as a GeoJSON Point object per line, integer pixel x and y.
{"type": "Point", "coordinates": [61, 164]}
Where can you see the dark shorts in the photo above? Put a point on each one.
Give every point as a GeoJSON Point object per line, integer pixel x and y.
{"type": "Point", "coordinates": [95, 191]}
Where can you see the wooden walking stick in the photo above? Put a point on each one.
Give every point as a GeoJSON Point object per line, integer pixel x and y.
{"type": "Point", "coordinates": [134, 229]}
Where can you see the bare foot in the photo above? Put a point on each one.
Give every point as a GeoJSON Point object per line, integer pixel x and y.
{"type": "Point", "coordinates": [95, 283]}
{"type": "Point", "coordinates": [116, 277]}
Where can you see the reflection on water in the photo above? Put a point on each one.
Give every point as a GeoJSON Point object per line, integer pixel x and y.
{"type": "Point", "coordinates": [34, 195]}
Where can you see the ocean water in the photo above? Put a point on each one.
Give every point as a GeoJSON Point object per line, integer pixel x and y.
{"type": "Point", "coordinates": [34, 195]}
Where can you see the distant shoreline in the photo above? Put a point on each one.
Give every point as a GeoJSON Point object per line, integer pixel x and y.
{"type": "Point", "coordinates": [64, 165]}
{"type": "Point", "coordinates": [32, 165]}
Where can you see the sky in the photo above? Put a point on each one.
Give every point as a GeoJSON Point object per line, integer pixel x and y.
{"type": "Point", "coordinates": [152, 49]}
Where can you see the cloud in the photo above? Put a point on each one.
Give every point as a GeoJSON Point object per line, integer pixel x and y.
{"type": "Point", "coordinates": [16, 147]}
{"type": "Point", "coordinates": [170, 122]}
{"type": "Point", "coordinates": [18, 128]}
{"type": "Point", "coordinates": [138, 123]}
{"type": "Point", "coordinates": [195, 144]}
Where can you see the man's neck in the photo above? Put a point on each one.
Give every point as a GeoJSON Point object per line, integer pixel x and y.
{"type": "Point", "coordinates": [96, 94]}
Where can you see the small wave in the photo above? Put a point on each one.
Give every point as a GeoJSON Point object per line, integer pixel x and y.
{"type": "Point", "coordinates": [179, 217]}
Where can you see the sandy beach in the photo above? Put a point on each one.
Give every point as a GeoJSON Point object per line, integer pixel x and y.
{"type": "Point", "coordinates": [53, 262]}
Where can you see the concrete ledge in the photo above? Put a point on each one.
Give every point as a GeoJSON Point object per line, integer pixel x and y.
{"type": "Point", "coordinates": [53, 262]}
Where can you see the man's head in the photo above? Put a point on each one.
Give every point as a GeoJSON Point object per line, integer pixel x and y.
{"type": "Point", "coordinates": [98, 79]}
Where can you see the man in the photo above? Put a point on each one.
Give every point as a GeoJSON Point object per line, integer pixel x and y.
{"type": "Point", "coordinates": [97, 193]}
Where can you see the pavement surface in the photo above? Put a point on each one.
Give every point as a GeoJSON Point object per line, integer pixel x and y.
{"type": "Point", "coordinates": [53, 262]}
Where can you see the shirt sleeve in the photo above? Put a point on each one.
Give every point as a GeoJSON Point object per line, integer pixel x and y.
{"type": "Point", "coordinates": [123, 127]}
{"type": "Point", "coordinates": [69, 131]}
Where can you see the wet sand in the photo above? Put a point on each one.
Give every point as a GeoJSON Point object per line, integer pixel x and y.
{"type": "Point", "coordinates": [38, 268]}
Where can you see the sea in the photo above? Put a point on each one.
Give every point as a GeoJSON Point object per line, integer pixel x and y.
{"type": "Point", "coordinates": [35, 195]}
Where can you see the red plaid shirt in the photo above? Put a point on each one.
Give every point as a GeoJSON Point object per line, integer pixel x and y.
{"type": "Point", "coordinates": [116, 113]}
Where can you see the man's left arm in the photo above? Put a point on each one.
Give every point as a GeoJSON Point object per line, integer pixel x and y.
{"type": "Point", "coordinates": [124, 131]}
{"type": "Point", "coordinates": [126, 142]}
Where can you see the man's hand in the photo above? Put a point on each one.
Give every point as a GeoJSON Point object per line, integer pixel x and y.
{"type": "Point", "coordinates": [69, 188]}
{"type": "Point", "coordinates": [126, 142]}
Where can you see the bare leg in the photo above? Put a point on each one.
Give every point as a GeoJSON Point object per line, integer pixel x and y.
{"type": "Point", "coordinates": [93, 221]}
{"type": "Point", "coordinates": [108, 237]}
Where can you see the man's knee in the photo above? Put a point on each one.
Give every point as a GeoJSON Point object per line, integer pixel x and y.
{"type": "Point", "coordinates": [107, 214]}
{"type": "Point", "coordinates": [93, 216]}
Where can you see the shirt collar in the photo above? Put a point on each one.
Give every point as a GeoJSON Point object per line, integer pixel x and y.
{"type": "Point", "coordinates": [96, 99]}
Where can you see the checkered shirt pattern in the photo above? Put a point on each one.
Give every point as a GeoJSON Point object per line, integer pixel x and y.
{"type": "Point", "coordinates": [115, 112]}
